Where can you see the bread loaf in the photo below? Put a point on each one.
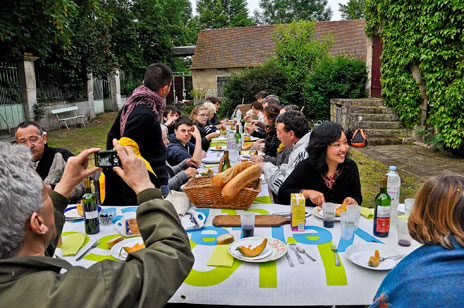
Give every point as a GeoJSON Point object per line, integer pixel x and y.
{"type": "Point", "coordinates": [221, 179]}
{"type": "Point", "coordinates": [233, 187]}
{"type": "Point", "coordinates": [114, 241]}
{"type": "Point", "coordinates": [225, 239]}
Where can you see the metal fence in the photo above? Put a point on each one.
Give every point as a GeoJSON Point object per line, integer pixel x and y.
{"type": "Point", "coordinates": [10, 84]}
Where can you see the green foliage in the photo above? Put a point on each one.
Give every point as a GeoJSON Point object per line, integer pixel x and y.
{"type": "Point", "coordinates": [430, 138]}
{"type": "Point", "coordinates": [297, 54]}
{"type": "Point", "coordinates": [286, 11]}
{"type": "Point", "coordinates": [39, 111]}
{"type": "Point", "coordinates": [198, 94]}
{"type": "Point", "coordinates": [214, 14]}
{"type": "Point", "coordinates": [338, 77]}
{"type": "Point", "coordinates": [245, 84]}
{"type": "Point", "coordinates": [354, 9]}
{"type": "Point", "coordinates": [428, 35]}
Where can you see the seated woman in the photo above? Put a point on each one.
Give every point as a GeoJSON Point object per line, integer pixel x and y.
{"type": "Point", "coordinates": [270, 142]}
{"type": "Point", "coordinates": [200, 116]}
{"type": "Point", "coordinates": [327, 175]}
{"type": "Point", "coordinates": [431, 276]}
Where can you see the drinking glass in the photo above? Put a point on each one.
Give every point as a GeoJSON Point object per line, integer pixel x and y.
{"type": "Point", "coordinates": [347, 221]}
{"type": "Point", "coordinates": [328, 210]}
{"type": "Point", "coordinates": [247, 220]}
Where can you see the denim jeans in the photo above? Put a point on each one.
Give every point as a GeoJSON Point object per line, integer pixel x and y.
{"type": "Point", "coordinates": [165, 190]}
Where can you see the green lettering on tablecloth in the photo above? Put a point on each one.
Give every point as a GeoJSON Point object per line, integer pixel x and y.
{"type": "Point", "coordinates": [268, 275]}
{"type": "Point", "coordinates": [336, 275]}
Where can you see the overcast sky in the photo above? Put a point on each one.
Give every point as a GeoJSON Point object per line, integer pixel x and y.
{"type": "Point", "coordinates": [254, 4]}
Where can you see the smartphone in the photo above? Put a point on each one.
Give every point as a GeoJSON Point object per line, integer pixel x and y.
{"type": "Point", "coordinates": [107, 159]}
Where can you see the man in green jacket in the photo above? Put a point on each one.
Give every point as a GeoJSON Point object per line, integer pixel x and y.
{"type": "Point", "coordinates": [28, 278]}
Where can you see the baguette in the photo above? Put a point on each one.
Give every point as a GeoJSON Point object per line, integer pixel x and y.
{"type": "Point", "coordinates": [221, 179]}
{"type": "Point", "coordinates": [233, 187]}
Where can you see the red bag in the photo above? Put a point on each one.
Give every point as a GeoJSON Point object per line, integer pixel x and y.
{"type": "Point", "coordinates": [359, 138]}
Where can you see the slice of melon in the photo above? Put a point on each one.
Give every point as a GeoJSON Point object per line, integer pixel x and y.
{"type": "Point", "coordinates": [252, 252]}
{"type": "Point", "coordinates": [374, 261]}
{"type": "Point", "coordinates": [136, 247]}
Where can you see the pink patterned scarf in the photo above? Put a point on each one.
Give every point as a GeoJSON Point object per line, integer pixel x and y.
{"type": "Point", "coordinates": [145, 96]}
{"type": "Point", "coordinates": [329, 181]}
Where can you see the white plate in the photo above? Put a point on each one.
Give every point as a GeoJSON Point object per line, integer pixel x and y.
{"type": "Point", "coordinates": [278, 249]}
{"type": "Point", "coordinates": [121, 254]}
{"type": "Point", "coordinates": [71, 213]}
{"type": "Point", "coordinates": [221, 138]}
{"type": "Point", "coordinates": [317, 212]}
{"type": "Point", "coordinates": [237, 254]}
{"type": "Point", "coordinates": [213, 148]}
{"type": "Point", "coordinates": [359, 254]}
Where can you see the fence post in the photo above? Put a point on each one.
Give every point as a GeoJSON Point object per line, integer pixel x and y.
{"type": "Point", "coordinates": [115, 89]}
{"type": "Point", "coordinates": [26, 72]}
{"type": "Point", "coordinates": [90, 96]}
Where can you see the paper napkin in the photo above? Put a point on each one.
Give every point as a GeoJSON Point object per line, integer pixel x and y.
{"type": "Point", "coordinates": [72, 243]}
{"type": "Point", "coordinates": [367, 213]}
{"type": "Point", "coordinates": [221, 257]}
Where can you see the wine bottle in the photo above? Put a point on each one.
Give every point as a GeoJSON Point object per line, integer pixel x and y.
{"type": "Point", "coordinates": [226, 164]}
{"type": "Point", "coordinates": [238, 137]}
{"type": "Point", "coordinates": [382, 210]}
{"type": "Point", "coordinates": [90, 209]}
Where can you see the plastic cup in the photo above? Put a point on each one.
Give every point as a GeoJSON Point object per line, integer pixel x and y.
{"type": "Point", "coordinates": [247, 220]}
{"type": "Point", "coordinates": [107, 216]}
{"type": "Point", "coordinates": [328, 210]}
{"type": "Point", "coordinates": [404, 239]}
{"type": "Point", "coordinates": [347, 221]}
{"type": "Point", "coordinates": [355, 211]}
{"type": "Point", "coordinates": [408, 203]}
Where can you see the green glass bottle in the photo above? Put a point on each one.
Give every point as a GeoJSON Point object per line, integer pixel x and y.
{"type": "Point", "coordinates": [238, 137]}
{"type": "Point", "coordinates": [90, 209]}
{"type": "Point", "coordinates": [382, 210]}
{"type": "Point", "coordinates": [226, 163]}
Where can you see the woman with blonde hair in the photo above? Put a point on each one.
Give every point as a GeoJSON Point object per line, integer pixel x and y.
{"type": "Point", "coordinates": [200, 116]}
{"type": "Point", "coordinates": [433, 274]}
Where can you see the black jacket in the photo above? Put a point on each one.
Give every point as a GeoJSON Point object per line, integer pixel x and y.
{"type": "Point", "coordinates": [144, 128]}
{"type": "Point", "coordinates": [46, 161]}
{"type": "Point", "coordinates": [305, 177]}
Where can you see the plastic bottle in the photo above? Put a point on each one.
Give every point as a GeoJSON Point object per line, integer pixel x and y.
{"type": "Point", "coordinates": [393, 189]}
{"type": "Point", "coordinates": [232, 147]}
{"type": "Point", "coordinates": [238, 115]}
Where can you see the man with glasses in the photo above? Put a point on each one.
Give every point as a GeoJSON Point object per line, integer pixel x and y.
{"type": "Point", "coordinates": [47, 161]}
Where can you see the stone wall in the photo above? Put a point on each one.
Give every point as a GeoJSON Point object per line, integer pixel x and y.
{"type": "Point", "coordinates": [207, 79]}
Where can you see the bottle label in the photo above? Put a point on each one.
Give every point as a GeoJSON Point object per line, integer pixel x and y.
{"type": "Point", "coordinates": [91, 215]}
{"type": "Point", "coordinates": [383, 212]}
{"type": "Point", "coordinates": [383, 225]}
{"type": "Point", "coordinates": [394, 193]}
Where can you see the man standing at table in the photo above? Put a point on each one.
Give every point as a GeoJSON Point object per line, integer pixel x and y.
{"type": "Point", "coordinates": [48, 162]}
{"type": "Point", "coordinates": [147, 278]}
{"type": "Point", "coordinates": [138, 125]}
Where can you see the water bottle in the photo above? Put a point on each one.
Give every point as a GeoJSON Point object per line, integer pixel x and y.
{"type": "Point", "coordinates": [238, 115]}
{"type": "Point", "coordinates": [393, 189]}
{"type": "Point", "coordinates": [232, 147]}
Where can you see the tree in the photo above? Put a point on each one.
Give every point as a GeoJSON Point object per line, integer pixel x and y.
{"type": "Point", "coordinates": [286, 11]}
{"type": "Point", "coordinates": [214, 14]}
{"type": "Point", "coordinates": [354, 9]}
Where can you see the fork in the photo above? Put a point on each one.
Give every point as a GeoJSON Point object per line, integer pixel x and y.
{"type": "Point", "coordinates": [333, 247]}
{"type": "Point", "coordinates": [293, 247]}
{"type": "Point", "coordinates": [95, 244]}
{"type": "Point", "coordinates": [391, 257]}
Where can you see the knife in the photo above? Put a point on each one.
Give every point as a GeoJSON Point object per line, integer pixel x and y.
{"type": "Point", "coordinates": [290, 262]}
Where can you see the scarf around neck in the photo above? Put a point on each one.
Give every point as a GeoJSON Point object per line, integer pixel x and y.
{"type": "Point", "coordinates": [141, 96]}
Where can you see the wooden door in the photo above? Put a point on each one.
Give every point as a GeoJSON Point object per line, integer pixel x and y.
{"type": "Point", "coordinates": [377, 47]}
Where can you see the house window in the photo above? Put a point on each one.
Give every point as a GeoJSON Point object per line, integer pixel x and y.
{"type": "Point", "coordinates": [221, 82]}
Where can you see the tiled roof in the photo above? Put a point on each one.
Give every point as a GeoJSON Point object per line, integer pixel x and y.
{"type": "Point", "coordinates": [251, 46]}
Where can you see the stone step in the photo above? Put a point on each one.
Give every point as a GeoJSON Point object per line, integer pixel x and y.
{"type": "Point", "coordinates": [385, 132]}
{"type": "Point", "coordinates": [371, 110]}
{"type": "Point", "coordinates": [367, 102]}
{"type": "Point", "coordinates": [375, 117]}
{"type": "Point", "coordinates": [383, 140]}
{"type": "Point", "coordinates": [377, 124]}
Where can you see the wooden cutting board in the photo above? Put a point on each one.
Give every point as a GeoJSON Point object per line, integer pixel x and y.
{"type": "Point", "coordinates": [260, 221]}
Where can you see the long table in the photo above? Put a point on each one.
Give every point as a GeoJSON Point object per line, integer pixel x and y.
{"type": "Point", "coordinates": [271, 283]}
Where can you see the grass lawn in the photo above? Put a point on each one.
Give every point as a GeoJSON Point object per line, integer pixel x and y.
{"type": "Point", "coordinates": [94, 135]}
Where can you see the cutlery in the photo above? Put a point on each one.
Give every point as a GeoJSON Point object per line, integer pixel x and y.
{"type": "Point", "coordinates": [302, 250]}
{"type": "Point", "coordinates": [333, 247]}
{"type": "Point", "coordinates": [290, 262]}
{"type": "Point", "coordinates": [293, 247]}
{"type": "Point", "coordinates": [95, 244]}
{"type": "Point", "coordinates": [392, 257]}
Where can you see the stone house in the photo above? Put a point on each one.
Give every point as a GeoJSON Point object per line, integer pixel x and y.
{"type": "Point", "coordinates": [221, 52]}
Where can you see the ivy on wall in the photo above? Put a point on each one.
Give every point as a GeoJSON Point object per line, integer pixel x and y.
{"type": "Point", "coordinates": [428, 34]}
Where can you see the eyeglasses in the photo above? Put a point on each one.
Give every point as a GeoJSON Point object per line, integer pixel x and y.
{"type": "Point", "coordinates": [204, 115]}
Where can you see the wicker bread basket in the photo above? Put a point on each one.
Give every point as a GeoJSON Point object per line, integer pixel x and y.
{"type": "Point", "coordinates": [203, 194]}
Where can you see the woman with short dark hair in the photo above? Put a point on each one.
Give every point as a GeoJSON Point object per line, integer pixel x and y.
{"type": "Point", "coordinates": [327, 175]}
{"type": "Point", "coordinates": [432, 275]}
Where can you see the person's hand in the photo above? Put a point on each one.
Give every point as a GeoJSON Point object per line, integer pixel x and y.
{"type": "Point", "coordinates": [249, 129]}
{"type": "Point", "coordinates": [349, 200]}
{"type": "Point", "coordinates": [315, 196]}
{"type": "Point", "coordinates": [195, 133]}
{"type": "Point", "coordinates": [169, 122]}
{"type": "Point", "coordinates": [213, 135]}
{"type": "Point", "coordinates": [258, 145]}
{"type": "Point", "coordinates": [257, 158]}
{"type": "Point", "coordinates": [191, 172]}
{"type": "Point", "coordinates": [133, 170]}
{"type": "Point", "coordinates": [193, 162]}
{"type": "Point", "coordinates": [75, 172]}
